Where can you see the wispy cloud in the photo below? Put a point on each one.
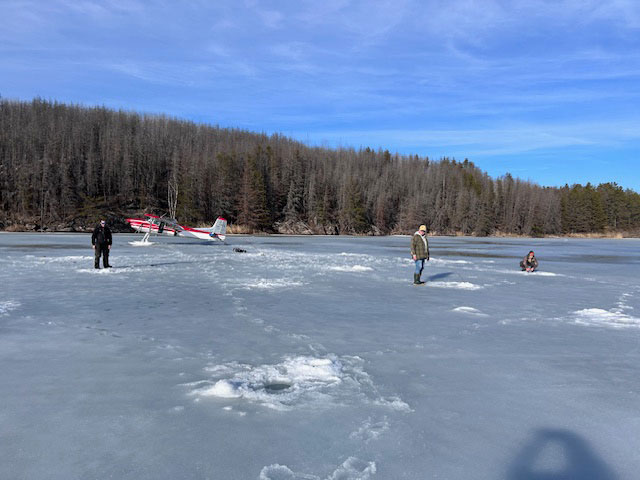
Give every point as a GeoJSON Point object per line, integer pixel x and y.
{"type": "Point", "coordinates": [186, 74]}
{"type": "Point", "coordinates": [484, 77]}
{"type": "Point", "coordinates": [493, 141]}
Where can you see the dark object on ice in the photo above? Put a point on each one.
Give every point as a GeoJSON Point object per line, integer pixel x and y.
{"type": "Point", "coordinates": [580, 459]}
{"type": "Point", "coordinates": [276, 387]}
{"type": "Point", "coordinates": [239, 250]}
{"type": "Point", "coordinates": [529, 263]}
{"type": "Point", "coordinates": [101, 241]}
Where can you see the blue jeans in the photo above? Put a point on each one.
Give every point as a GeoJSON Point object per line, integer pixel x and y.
{"type": "Point", "coordinates": [419, 266]}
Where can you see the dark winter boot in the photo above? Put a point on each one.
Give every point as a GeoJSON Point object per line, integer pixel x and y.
{"type": "Point", "coordinates": [416, 279]}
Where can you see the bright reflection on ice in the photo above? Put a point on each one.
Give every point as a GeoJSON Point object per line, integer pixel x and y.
{"type": "Point", "coordinates": [7, 306]}
{"type": "Point", "coordinates": [456, 285]}
{"type": "Point", "coordinates": [601, 317]}
{"type": "Point", "coordinates": [470, 311]}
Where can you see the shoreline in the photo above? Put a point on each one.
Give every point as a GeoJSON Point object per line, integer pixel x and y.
{"type": "Point", "coordinates": [586, 236]}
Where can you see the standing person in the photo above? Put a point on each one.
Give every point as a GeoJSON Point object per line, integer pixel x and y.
{"type": "Point", "coordinates": [529, 263]}
{"type": "Point", "coordinates": [101, 241]}
{"type": "Point", "coordinates": [419, 252]}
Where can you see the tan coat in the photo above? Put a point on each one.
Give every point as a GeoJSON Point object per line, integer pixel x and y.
{"type": "Point", "coordinates": [420, 246]}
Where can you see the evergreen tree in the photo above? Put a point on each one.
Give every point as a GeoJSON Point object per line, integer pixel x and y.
{"type": "Point", "coordinates": [253, 211]}
{"type": "Point", "coordinates": [353, 216]}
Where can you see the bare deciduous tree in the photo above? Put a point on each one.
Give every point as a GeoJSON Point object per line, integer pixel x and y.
{"type": "Point", "coordinates": [61, 163]}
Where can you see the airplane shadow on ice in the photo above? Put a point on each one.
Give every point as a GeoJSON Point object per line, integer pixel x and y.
{"type": "Point", "coordinates": [161, 264]}
{"type": "Point", "coordinates": [573, 459]}
{"type": "Point", "coordinates": [438, 276]}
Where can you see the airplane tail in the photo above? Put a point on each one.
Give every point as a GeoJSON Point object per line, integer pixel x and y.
{"type": "Point", "coordinates": [219, 229]}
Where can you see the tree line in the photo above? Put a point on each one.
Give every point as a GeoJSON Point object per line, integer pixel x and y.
{"type": "Point", "coordinates": [62, 166]}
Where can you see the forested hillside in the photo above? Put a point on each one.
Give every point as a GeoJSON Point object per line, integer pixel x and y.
{"type": "Point", "coordinates": [63, 166]}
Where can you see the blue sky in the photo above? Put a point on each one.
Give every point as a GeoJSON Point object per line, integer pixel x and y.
{"type": "Point", "coordinates": [546, 90]}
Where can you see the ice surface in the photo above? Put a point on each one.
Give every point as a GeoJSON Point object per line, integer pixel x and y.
{"type": "Point", "coordinates": [316, 358]}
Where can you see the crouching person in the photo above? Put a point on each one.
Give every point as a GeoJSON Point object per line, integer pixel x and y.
{"type": "Point", "coordinates": [529, 263]}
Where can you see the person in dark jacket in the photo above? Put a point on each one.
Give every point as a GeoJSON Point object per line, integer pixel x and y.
{"type": "Point", "coordinates": [419, 252]}
{"type": "Point", "coordinates": [101, 241]}
{"type": "Point", "coordinates": [529, 263]}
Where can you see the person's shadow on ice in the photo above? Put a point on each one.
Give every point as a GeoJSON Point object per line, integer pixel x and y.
{"type": "Point", "coordinates": [555, 454]}
{"type": "Point", "coordinates": [438, 276]}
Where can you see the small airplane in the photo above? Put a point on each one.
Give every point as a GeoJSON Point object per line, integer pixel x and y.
{"type": "Point", "coordinates": [169, 226]}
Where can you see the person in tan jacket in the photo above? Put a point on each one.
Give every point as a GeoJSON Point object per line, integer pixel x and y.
{"type": "Point", "coordinates": [419, 252]}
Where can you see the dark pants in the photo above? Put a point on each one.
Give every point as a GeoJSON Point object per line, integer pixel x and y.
{"type": "Point", "coordinates": [104, 251]}
{"type": "Point", "coordinates": [524, 266]}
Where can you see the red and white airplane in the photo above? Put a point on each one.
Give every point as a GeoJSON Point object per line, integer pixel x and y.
{"type": "Point", "coordinates": [168, 226]}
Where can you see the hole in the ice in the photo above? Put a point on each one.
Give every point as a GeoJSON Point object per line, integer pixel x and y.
{"type": "Point", "coordinates": [276, 387]}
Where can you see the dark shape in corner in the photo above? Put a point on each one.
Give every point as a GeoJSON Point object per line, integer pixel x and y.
{"type": "Point", "coordinates": [580, 461]}
{"type": "Point", "coordinates": [239, 250]}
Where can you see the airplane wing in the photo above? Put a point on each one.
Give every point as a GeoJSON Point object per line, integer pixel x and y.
{"type": "Point", "coordinates": [164, 221]}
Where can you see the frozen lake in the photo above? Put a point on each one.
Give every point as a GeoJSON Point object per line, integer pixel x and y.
{"type": "Point", "coordinates": [316, 358]}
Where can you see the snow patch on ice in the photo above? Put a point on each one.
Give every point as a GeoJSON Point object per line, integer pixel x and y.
{"type": "Point", "coordinates": [622, 304]}
{"type": "Point", "coordinates": [227, 369]}
{"type": "Point", "coordinates": [442, 261]}
{"type": "Point", "coordinates": [265, 284]}
{"type": "Point", "coordinates": [352, 469]}
{"type": "Point", "coordinates": [8, 306]}
{"type": "Point", "coordinates": [518, 271]}
{"type": "Point", "coordinates": [608, 318]}
{"type": "Point", "coordinates": [298, 336]}
{"type": "Point", "coordinates": [537, 273]}
{"type": "Point", "coordinates": [470, 311]}
{"type": "Point", "coordinates": [370, 430]}
{"type": "Point", "coordinates": [457, 285]}
{"type": "Point", "coordinates": [280, 472]}
{"type": "Point", "coordinates": [281, 385]}
{"type": "Point", "coordinates": [353, 268]}
{"type": "Point", "coordinates": [395, 403]}
{"type": "Point", "coordinates": [140, 243]}
{"type": "Point", "coordinates": [298, 380]}
{"type": "Point", "coordinates": [105, 271]}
